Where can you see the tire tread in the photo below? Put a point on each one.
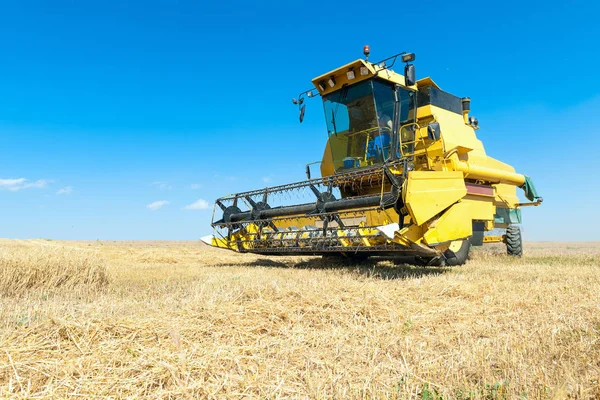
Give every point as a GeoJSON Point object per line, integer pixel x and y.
{"type": "Point", "coordinates": [514, 241]}
{"type": "Point", "coordinates": [459, 257]}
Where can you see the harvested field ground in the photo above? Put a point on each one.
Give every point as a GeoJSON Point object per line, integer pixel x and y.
{"type": "Point", "coordinates": [181, 320]}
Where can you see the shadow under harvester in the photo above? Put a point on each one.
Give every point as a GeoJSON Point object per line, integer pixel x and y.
{"type": "Point", "coordinates": [372, 268]}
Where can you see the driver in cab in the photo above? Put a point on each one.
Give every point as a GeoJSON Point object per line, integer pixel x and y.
{"type": "Point", "coordinates": [384, 121]}
{"type": "Point", "coordinates": [382, 138]}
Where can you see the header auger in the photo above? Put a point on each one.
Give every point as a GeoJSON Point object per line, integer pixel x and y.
{"type": "Point", "coordinates": [403, 174]}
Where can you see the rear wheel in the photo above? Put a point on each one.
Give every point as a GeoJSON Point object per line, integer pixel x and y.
{"type": "Point", "coordinates": [514, 241]}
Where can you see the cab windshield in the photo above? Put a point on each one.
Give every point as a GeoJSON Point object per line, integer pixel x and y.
{"type": "Point", "coordinates": [359, 122]}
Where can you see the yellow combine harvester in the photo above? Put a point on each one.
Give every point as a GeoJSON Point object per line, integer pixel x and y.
{"type": "Point", "coordinates": [403, 174]}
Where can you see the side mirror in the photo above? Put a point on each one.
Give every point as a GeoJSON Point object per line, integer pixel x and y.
{"type": "Point", "coordinates": [434, 131]}
{"type": "Point", "coordinates": [302, 112]}
{"type": "Point", "coordinates": [410, 77]}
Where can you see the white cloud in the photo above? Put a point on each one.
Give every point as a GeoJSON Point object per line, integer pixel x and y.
{"type": "Point", "coordinates": [266, 179]}
{"type": "Point", "coordinates": [66, 190]}
{"type": "Point", "coordinates": [195, 186]}
{"type": "Point", "coordinates": [21, 183]}
{"type": "Point", "coordinates": [157, 204]}
{"type": "Point", "coordinates": [162, 185]}
{"type": "Point", "coordinates": [39, 184]}
{"type": "Point", "coordinates": [201, 204]}
{"type": "Point", "coordinates": [11, 184]}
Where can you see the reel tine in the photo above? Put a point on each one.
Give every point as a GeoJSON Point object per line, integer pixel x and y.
{"type": "Point", "coordinates": [250, 200]}
{"type": "Point", "coordinates": [315, 190]}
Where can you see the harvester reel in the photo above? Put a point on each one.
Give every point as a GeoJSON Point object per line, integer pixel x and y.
{"type": "Point", "coordinates": [323, 198]}
{"type": "Point", "coordinates": [229, 211]}
{"type": "Point", "coordinates": [257, 208]}
{"type": "Point", "coordinates": [326, 197]}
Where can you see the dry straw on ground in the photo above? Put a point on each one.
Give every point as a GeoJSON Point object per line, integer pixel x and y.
{"type": "Point", "coordinates": [179, 320]}
{"type": "Point", "coordinates": [48, 268]}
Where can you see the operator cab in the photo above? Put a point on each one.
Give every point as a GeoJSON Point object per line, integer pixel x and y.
{"type": "Point", "coordinates": [370, 112]}
{"type": "Point", "coordinates": [359, 121]}
{"type": "Point", "coordinates": [366, 106]}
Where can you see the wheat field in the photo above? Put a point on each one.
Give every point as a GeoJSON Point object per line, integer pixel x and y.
{"type": "Point", "coordinates": [181, 320]}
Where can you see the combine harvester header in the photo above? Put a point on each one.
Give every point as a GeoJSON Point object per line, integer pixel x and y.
{"type": "Point", "coordinates": [403, 174]}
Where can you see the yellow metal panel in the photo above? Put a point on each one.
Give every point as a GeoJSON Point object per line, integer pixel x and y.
{"type": "Point", "coordinates": [454, 224]}
{"type": "Point", "coordinates": [376, 218]}
{"type": "Point", "coordinates": [455, 133]}
{"type": "Point", "coordinates": [429, 192]}
{"type": "Point", "coordinates": [480, 209]}
{"type": "Point", "coordinates": [427, 81]}
{"type": "Point", "coordinates": [327, 165]}
{"type": "Point", "coordinates": [493, 239]}
{"type": "Point", "coordinates": [506, 195]}
{"type": "Point", "coordinates": [408, 235]}
{"type": "Point", "coordinates": [296, 222]}
{"type": "Point", "coordinates": [351, 65]}
{"type": "Point", "coordinates": [424, 112]}
{"type": "Point", "coordinates": [221, 243]}
{"type": "Point", "coordinates": [341, 78]}
{"type": "Point", "coordinates": [455, 245]}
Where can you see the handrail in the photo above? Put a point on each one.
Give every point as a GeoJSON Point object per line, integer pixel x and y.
{"type": "Point", "coordinates": [408, 143]}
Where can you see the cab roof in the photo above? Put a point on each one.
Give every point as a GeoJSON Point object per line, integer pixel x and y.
{"type": "Point", "coordinates": [362, 70]}
{"type": "Point", "coordinates": [427, 82]}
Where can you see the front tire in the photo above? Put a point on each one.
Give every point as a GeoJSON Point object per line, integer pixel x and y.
{"type": "Point", "coordinates": [458, 252]}
{"type": "Point", "coordinates": [514, 241]}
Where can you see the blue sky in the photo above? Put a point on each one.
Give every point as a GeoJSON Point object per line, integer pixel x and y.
{"type": "Point", "coordinates": [107, 108]}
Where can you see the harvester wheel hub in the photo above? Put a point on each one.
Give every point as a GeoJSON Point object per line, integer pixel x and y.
{"type": "Point", "coordinates": [323, 198]}
{"type": "Point", "coordinates": [229, 211]}
{"type": "Point", "coordinates": [257, 208]}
